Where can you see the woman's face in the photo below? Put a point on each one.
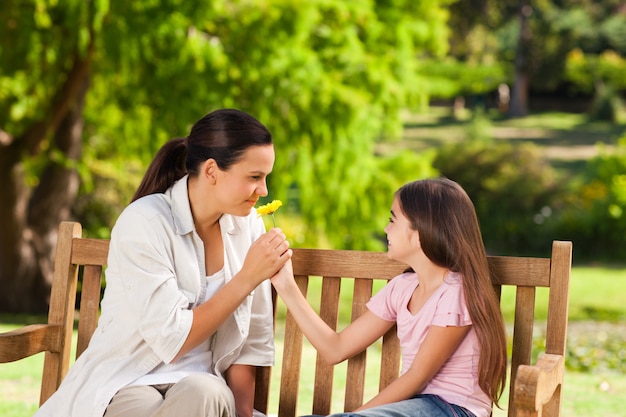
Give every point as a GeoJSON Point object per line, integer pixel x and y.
{"type": "Point", "coordinates": [402, 241]}
{"type": "Point", "coordinates": [241, 185]}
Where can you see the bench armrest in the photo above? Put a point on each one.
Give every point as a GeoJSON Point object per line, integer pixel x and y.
{"type": "Point", "coordinates": [536, 384]}
{"type": "Point", "coordinates": [28, 340]}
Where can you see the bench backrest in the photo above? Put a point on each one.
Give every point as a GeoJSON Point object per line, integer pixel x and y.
{"type": "Point", "coordinates": [333, 267]}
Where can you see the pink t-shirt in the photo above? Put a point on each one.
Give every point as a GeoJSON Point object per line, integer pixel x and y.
{"type": "Point", "coordinates": [457, 380]}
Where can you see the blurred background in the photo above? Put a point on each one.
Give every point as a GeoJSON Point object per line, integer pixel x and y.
{"type": "Point", "coordinates": [521, 102]}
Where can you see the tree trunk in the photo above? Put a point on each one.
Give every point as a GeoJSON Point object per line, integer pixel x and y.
{"type": "Point", "coordinates": [521, 84]}
{"type": "Point", "coordinates": [20, 290]}
{"type": "Point", "coordinates": [29, 218]}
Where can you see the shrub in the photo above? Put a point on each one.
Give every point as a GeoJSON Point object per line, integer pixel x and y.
{"type": "Point", "coordinates": [595, 218]}
{"type": "Point", "coordinates": [513, 188]}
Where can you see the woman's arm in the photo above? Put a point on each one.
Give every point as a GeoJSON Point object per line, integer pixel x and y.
{"type": "Point", "coordinates": [266, 256]}
{"type": "Point", "coordinates": [439, 345]}
{"type": "Point", "coordinates": [332, 346]}
{"type": "Point", "coordinates": [241, 380]}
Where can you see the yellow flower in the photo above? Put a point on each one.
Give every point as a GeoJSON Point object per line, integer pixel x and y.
{"type": "Point", "coordinates": [269, 208]}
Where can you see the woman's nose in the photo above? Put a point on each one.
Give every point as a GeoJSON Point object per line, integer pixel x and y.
{"type": "Point", "coordinates": [262, 189]}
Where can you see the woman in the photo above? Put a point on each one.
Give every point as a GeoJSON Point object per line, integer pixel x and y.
{"type": "Point", "coordinates": [448, 317]}
{"type": "Point", "coordinates": [187, 310]}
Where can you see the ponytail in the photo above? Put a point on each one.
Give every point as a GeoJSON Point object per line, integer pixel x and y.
{"type": "Point", "coordinates": [167, 167]}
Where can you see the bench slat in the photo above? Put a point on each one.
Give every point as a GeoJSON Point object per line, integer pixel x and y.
{"type": "Point", "coordinates": [522, 332]}
{"type": "Point", "coordinates": [89, 303]}
{"type": "Point", "coordinates": [356, 364]}
{"type": "Point", "coordinates": [292, 360]}
{"type": "Point", "coordinates": [324, 373]}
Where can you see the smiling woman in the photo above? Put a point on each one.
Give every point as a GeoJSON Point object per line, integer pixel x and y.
{"type": "Point", "coordinates": [187, 295]}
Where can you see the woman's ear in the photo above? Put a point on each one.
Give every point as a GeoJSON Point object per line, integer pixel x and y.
{"type": "Point", "coordinates": [209, 170]}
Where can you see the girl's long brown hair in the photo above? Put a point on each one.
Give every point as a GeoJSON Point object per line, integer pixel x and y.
{"type": "Point", "coordinates": [223, 135]}
{"type": "Point", "coordinates": [445, 218]}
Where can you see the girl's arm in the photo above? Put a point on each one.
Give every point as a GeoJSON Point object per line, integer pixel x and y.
{"type": "Point", "coordinates": [439, 344]}
{"type": "Point", "coordinates": [241, 381]}
{"type": "Point", "coordinates": [332, 346]}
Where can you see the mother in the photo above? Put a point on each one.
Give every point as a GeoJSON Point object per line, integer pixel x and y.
{"type": "Point", "coordinates": [187, 313]}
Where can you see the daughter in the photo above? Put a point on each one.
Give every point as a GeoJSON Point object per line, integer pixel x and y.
{"type": "Point", "coordinates": [447, 314]}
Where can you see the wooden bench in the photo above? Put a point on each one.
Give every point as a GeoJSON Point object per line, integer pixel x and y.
{"type": "Point", "coordinates": [536, 389]}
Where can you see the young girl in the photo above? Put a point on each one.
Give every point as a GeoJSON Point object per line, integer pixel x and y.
{"type": "Point", "coordinates": [187, 310]}
{"type": "Point", "coordinates": [447, 314]}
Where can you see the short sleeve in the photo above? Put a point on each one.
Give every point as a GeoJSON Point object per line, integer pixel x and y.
{"type": "Point", "coordinates": [451, 307]}
{"type": "Point", "coordinates": [387, 302]}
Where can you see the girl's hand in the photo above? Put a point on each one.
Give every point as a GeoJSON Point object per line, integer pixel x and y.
{"type": "Point", "coordinates": [284, 278]}
{"type": "Point", "coordinates": [266, 256]}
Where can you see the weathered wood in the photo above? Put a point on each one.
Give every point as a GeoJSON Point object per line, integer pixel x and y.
{"type": "Point", "coordinates": [537, 385]}
{"type": "Point", "coordinates": [324, 372]}
{"type": "Point", "coordinates": [29, 340]}
{"type": "Point", "coordinates": [89, 305]}
{"type": "Point", "coordinates": [61, 312]}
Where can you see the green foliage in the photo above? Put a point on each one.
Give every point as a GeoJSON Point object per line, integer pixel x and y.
{"type": "Point", "coordinates": [38, 43]}
{"type": "Point", "coordinates": [490, 34]}
{"type": "Point", "coordinates": [595, 212]}
{"type": "Point", "coordinates": [585, 71]}
{"type": "Point", "coordinates": [598, 350]}
{"type": "Point", "coordinates": [449, 78]}
{"type": "Point", "coordinates": [607, 104]}
{"type": "Point", "coordinates": [613, 29]}
{"type": "Point", "coordinates": [602, 75]}
{"type": "Point", "coordinates": [512, 186]}
{"type": "Point", "coordinates": [561, 27]}
{"type": "Point", "coordinates": [328, 78]}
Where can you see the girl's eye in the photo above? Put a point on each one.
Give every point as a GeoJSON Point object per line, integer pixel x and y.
{"type": "Point", "coordinates": [391, 220]}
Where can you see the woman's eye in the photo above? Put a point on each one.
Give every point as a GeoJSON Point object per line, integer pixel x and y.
{"type": "Point", "coordinates": [391, 220]}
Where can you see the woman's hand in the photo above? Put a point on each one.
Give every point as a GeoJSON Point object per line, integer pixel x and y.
{"type": "Point", "coordinates": [266, 256]}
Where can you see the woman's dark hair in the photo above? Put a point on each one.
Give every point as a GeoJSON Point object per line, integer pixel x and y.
{"type": "Point", "coordinates": [449, 233]}
{"type": "Point", "coordinates": [223, 135]}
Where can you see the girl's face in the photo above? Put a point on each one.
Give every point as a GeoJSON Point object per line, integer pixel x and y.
{"type": "Point", "coordinates": [403, 242]}
{"type": "Point", "coordinates": [240, 186]}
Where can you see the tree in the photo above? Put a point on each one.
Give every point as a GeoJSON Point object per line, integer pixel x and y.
{"type": "Point", "coordinates": [534, 39]}
{"type": "Point", "coordinates": [521, 82]}
{"type": "Point", "coordinates": [328, 78]}
{"type": "Point", "coordinates": [46, 59]}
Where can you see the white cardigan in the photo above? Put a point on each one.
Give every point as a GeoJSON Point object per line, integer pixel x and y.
{"type": "Point", "coordinates": [155, 273]}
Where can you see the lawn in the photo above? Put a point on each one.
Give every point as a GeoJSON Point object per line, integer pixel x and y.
{"type": "Point", "coordinates": [599, 392]}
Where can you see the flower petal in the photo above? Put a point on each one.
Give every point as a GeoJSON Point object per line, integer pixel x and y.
{"type": "Point", "coordinates": [269, 208]}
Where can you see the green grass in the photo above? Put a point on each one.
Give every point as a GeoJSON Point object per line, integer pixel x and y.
{"type": "Point", "coordinates": [595, 293]}
{"type": "Point", "coordinates": [19, 385]}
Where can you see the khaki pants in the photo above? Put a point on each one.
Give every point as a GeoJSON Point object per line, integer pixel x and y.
{"type": "Point", "coordinates": [198, 395]}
